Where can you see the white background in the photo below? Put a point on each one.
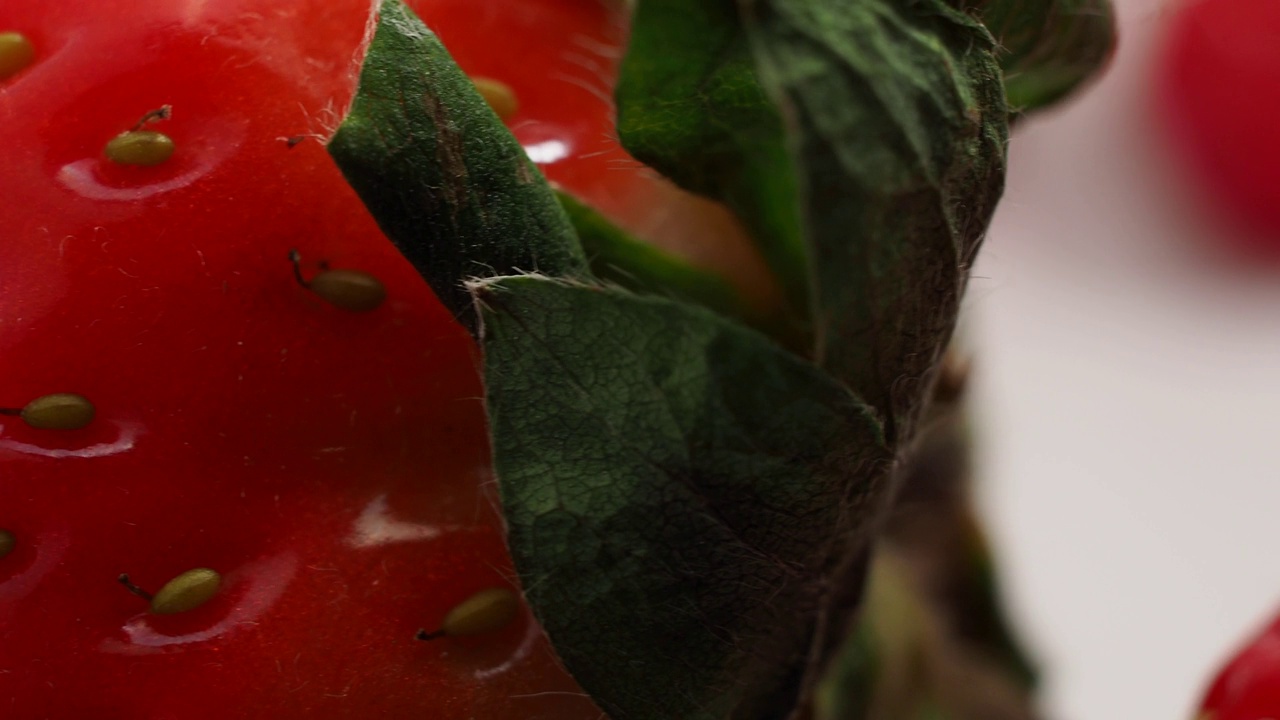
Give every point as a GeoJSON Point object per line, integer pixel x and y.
{"type": "Point", "coordinates": [1127, 395]}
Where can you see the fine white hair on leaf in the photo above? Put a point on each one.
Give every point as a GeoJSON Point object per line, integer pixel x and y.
{"type": "Point", "coordinates": [407, 24]}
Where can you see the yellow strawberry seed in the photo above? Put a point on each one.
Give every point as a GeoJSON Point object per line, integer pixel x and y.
{"type": "Point", "coordinates": [188, 591]}
{"type": "Point", "coordinates": [485, 612]}
{"type": "Point", "coordinates": [352, 290]}
{"type": "Point", "coordinates": [16, 53]}
{"type": "Point", "coordinates": [499, 95]}
{"type": "Point", "coordinates": [59, 411]}
{"type": "Point", "coordinates": [140, 147]}
{"type": "Point", "coordinates": [7, 542]}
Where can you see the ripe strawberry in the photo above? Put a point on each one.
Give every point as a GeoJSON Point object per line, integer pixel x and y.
{"type": "Point", "coordinates": [1219, 91]}
{"type": "Point", "coordinates": [1248, 688]}
{"type": "Point", "coordinates": [312, 451]}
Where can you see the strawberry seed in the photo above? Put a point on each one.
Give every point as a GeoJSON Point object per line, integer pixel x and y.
{"type": "Point", "coordinates": [16, 53]}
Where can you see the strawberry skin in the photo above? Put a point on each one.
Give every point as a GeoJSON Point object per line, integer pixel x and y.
{"type": "Point", "coordinates": [1248, 687]}
{"type": "Point", "coordinates": [329, 465]}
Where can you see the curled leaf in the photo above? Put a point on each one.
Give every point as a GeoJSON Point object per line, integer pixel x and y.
{"type": "Point", "coordinates": [441, 174]}
{"type": "Point", "coordinates": [898, 136]}
{"type": "Point", "coordinates": [691, 106]}
{"type": "Point", "coordinates": [1048, 47]}
{"type": "Point", "coordinates": [689, 502]}
{"type": "Point", "coordinates": [862, 142]}
{"type": "Point", "coordinates": [681, 494]}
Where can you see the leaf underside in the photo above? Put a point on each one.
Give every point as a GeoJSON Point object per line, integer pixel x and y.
{"type": "Point", "coordinates": [877, 159]}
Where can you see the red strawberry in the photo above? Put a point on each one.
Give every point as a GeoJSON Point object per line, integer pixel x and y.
{"type": "Point", "coordinates": [1248, 688]}
{"type": "Point", "coordinates": [1219, 86]}
{"type": "Point", "coordinates": [315, 453]}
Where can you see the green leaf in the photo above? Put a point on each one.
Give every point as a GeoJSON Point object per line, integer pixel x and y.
{"type": "Point", "coordinates": [444, 178]}
{"type": "Point", "coordinates": [864, 141]}
{"type": "Point", "coordinates": [689, 503]}
{"type": "Point", "coordinates": [617, 257]}
{"type": "Point", "coordinates": [680, 493]}
{"type": "Point", "coordinates": [690, 105]}
{"type": "Point", "coordinates": [1049, 47]}
{"type": "Point", "coordinates": [898, 134]}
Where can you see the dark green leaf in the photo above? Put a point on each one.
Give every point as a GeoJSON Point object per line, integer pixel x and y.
{"type": "Point", "coordinates": [863, 143]}
{"type": "Point", "coordinates": [898, 129]}
{"type": "Point", "coordinates": [617, 257]}
{"type": "Point", "coordinates": [1049, 47]}
{"type": "Point", "coordinates": [441, 174]}
{"type": "Point", "coordinates": [679, 493]}
{"type": "Point", "coordinates": [690, 105]}
{"type": "Point", "coordinates": [688, 502]}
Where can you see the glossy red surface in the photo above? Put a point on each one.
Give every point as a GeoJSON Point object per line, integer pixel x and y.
{"type": "Point", "coordinates": [1248, 688]}
{"type": "Point", "coordinates": [331, 465]}
{"type": "Point", "coordinates": [1219, 87]}
{"type": "Point", "coordinates": [569, 131]}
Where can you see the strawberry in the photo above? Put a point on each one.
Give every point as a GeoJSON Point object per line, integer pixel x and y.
{"type": "Point", "coordinates": [246, 468]}
{"type": "Point", "coordinates": [1218, 87]}
{"type": "Point", "coordinates": [243, 454]}
{"type": "Point", "coordinates": [1248, 687]}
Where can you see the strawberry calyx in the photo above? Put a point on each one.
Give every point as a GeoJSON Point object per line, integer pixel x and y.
{"type": "Point", "coordinates": [1049, 50]}
{"type": "Point", "coordinates": [223, 381]}
{"type": "Point", "coordinates": [610, 407]}
{"type": "Point", "coordinates": [626, 390]}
